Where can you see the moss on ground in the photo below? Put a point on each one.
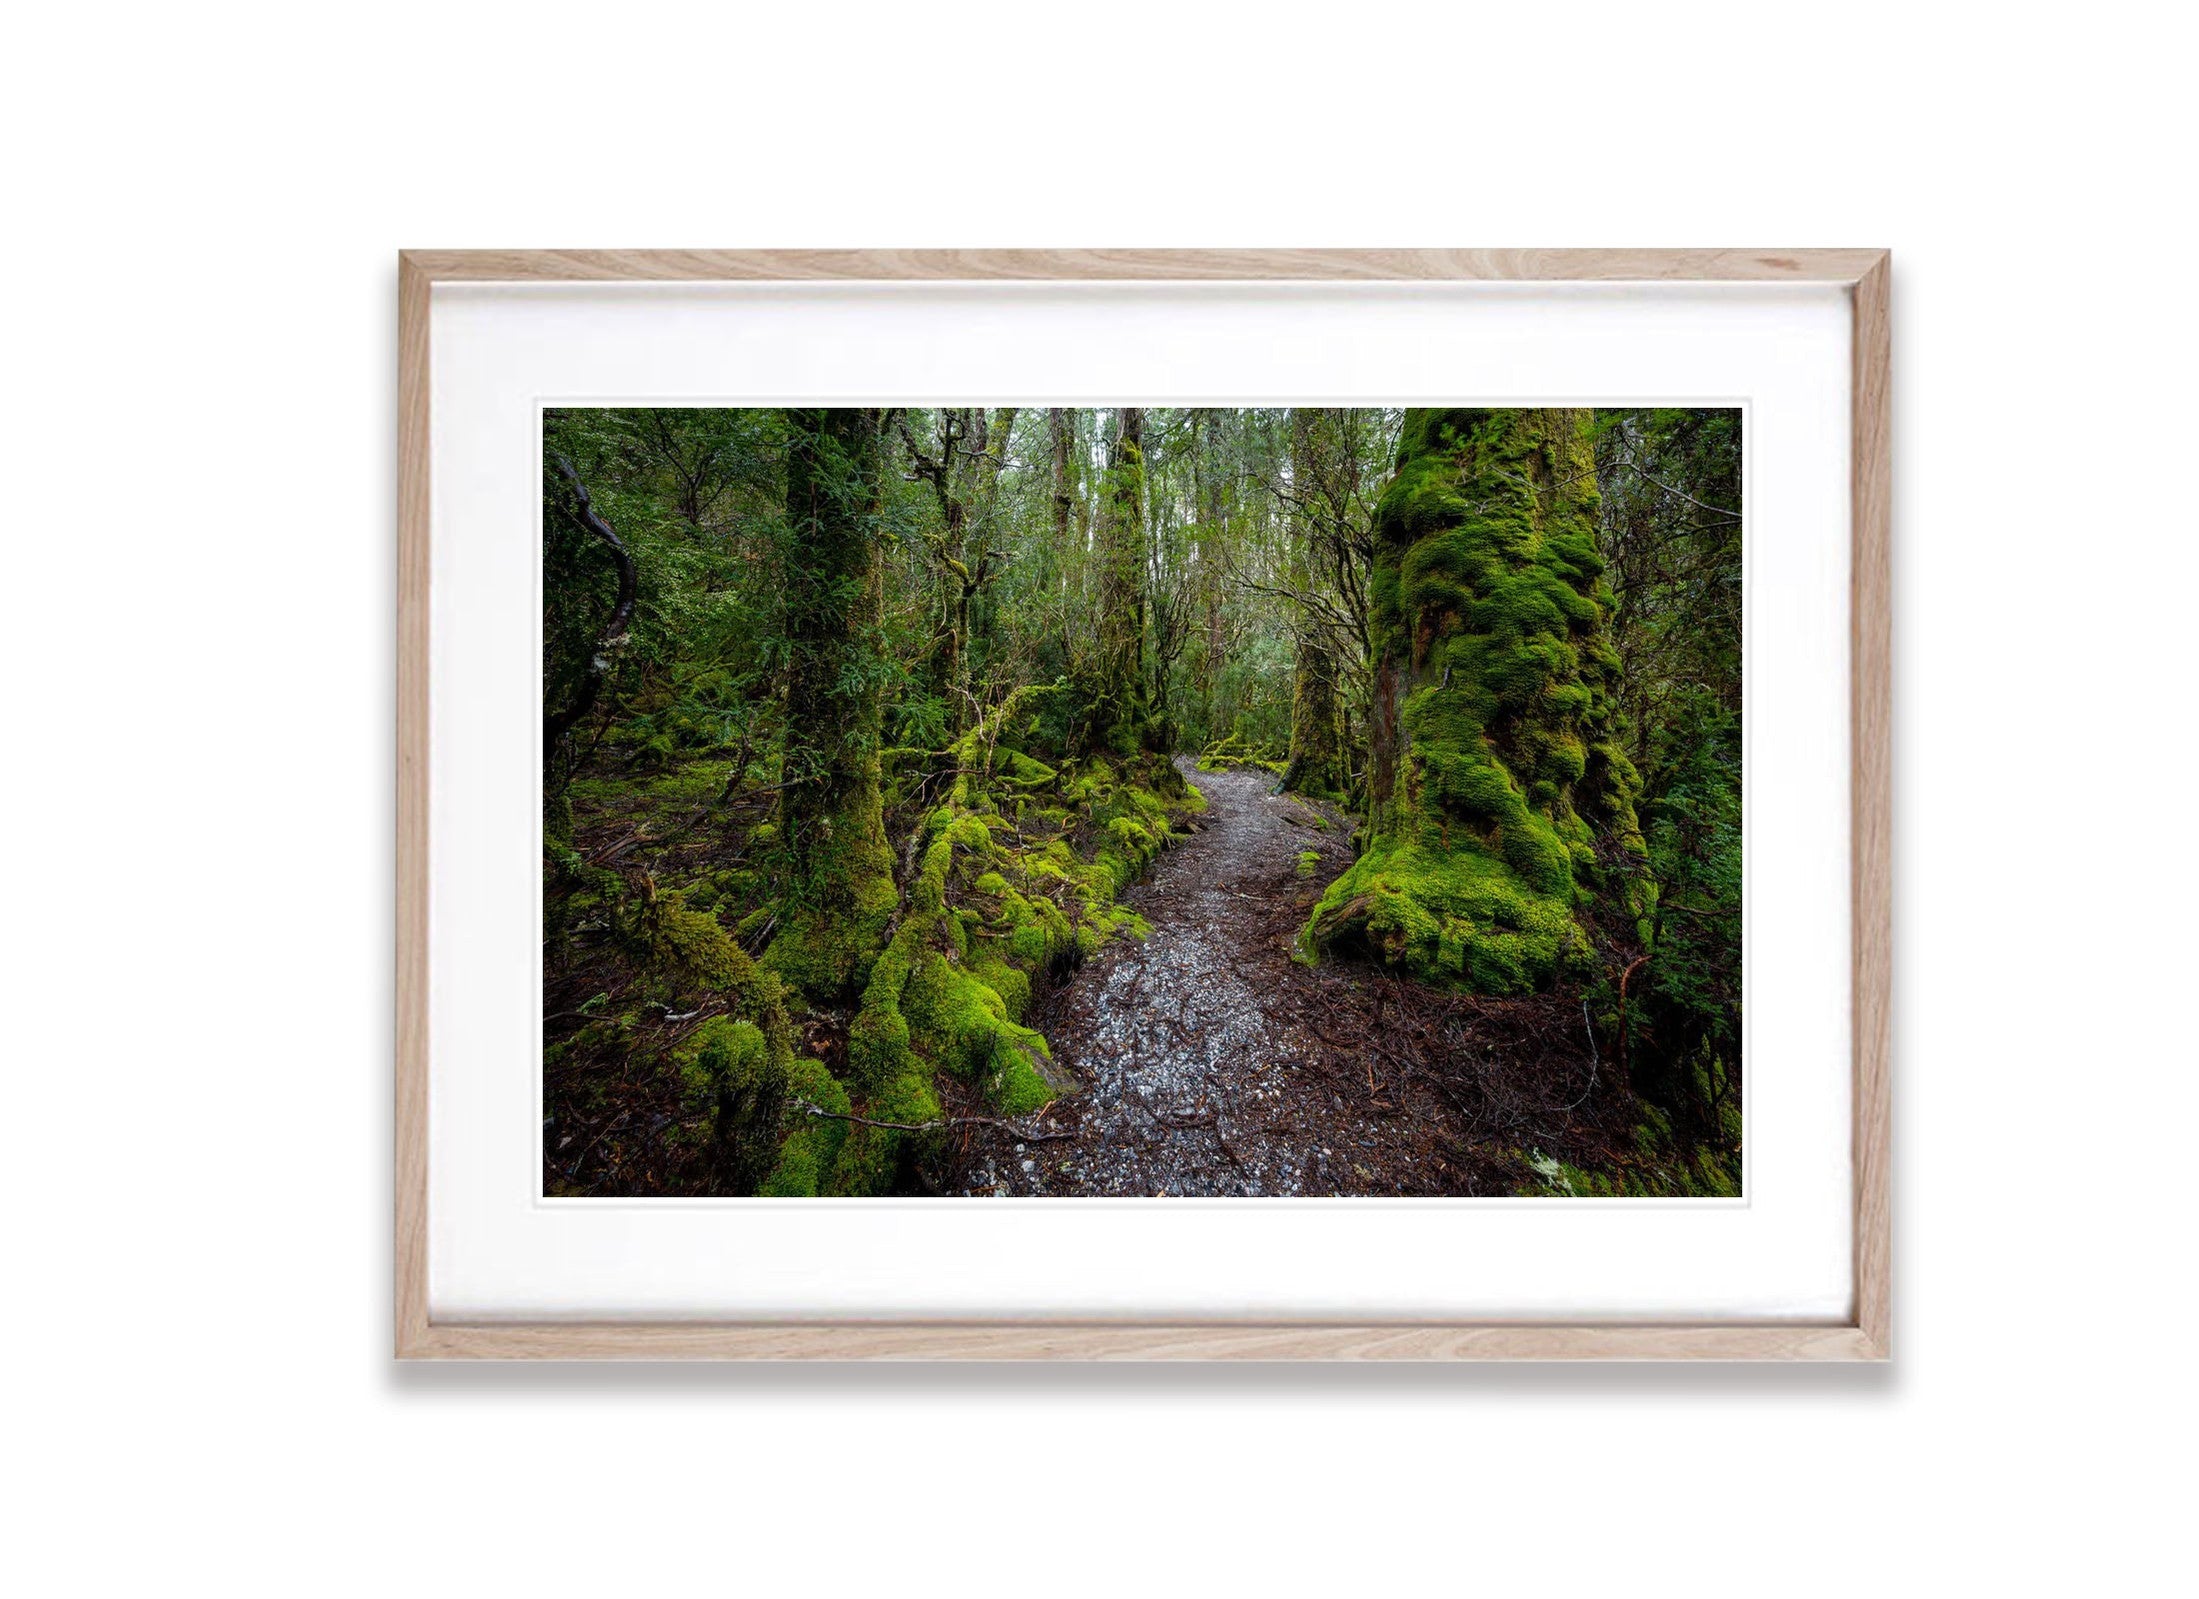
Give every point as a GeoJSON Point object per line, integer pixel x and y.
{"type": "Point", "coordinates": [738, 1067]}
{"type": "Point", "coordinates": [1018, 872]}
{"type": "Point", "coordinates": [811, 1151]}
{"type": "Point", "coordinates": [1234, 752]}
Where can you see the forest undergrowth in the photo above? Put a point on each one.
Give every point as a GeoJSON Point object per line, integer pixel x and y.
{"type": "Point", "coordinates": [1133, 802]}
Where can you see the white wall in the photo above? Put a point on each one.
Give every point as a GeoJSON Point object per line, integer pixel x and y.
{"type": "Point", "coordinates": [198, 512]}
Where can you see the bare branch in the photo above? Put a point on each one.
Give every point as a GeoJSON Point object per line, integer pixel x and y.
{"type": "Point", "coordinates": [613, 635]}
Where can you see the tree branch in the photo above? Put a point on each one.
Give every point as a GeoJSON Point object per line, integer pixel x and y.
{"type": "Point", "coordinates": [614, 633]}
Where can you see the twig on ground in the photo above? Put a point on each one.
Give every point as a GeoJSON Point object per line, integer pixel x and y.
{"type": "Point", "coordinates": [1595, 1060]}
{"type": "Point", "coordinates": [1024, 1133]}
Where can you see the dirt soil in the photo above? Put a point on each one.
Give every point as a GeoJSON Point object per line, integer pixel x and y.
{"type": "Point", "coordinates": [1212, 1063]}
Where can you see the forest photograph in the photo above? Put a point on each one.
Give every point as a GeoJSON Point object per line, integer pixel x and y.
{"type": "Point", "coordinates": [1133, 802]}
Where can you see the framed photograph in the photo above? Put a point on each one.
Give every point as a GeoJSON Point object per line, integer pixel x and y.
{"type": "Point", "coordinates": [1143, 804]}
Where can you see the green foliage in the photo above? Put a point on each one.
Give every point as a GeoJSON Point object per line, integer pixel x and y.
{"type": "Point", "coordinates": [681, 488]}
{"type": "Point", "coordinates": [1670, 531]}
{"type": "Point", "coordinates": [1672, 535]}
{"type": "Point", "coordinates": [1658, 1171]}
{"type": "Point", "coordinates": [1686, 1016]}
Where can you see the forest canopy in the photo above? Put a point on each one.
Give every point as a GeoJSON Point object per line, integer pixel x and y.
{"type": "Point", "coordinates": [865, 732]}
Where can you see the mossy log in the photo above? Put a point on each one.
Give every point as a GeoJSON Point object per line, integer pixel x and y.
{"type": "Point", "coordinates": [1493, 768]}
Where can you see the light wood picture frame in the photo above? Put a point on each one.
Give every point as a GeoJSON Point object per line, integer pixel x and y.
{"type": "Point", "coordinates": [1864, 1335]}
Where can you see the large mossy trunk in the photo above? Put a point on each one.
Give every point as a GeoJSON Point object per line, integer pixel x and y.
{"type": "Point", "coordinates": [839, 869]}
{"type": "Point", "coordinates": [1493, 774]}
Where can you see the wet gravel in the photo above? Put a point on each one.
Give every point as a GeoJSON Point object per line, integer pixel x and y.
{"type": "Point", "coordinates": [1198, 1048]}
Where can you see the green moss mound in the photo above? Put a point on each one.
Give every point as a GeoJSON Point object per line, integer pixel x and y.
{"type": "Point", "coordinates": [1233, 752]}
{"type": "Point", "coordinates": [1493, 774]}
{"type": "Point", "coordinates": [829, 944]}
{"type": "Point", "coordinates": [738, 1068]}
{"type": "Point", "coordinates": [806, 1161]}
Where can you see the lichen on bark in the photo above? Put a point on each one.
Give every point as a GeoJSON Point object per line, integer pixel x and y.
{"type": "Point", "coordinates": [1493, 770]}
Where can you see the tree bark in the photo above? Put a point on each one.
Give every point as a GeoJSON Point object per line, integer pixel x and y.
{"type": "Point", "coordinates": [1316, 747]}
{"type": "Point", "coordinates": [840, 893]}
{"type": "Point", "coordinates": [1116, 696]}
{"type": "Point", "coordinates": [1061, 434]}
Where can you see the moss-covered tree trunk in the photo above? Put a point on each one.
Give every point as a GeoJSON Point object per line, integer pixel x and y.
{"type": "Point", "coordinates": [1317, 764]}
{"type": "Point", "coordinates": [839, 870]}
{"type": "Point", "coordinates": [1316, 721]}
{"type": "Point", "coordinates": [1116, 709]}
{"type": "Point", "coordinates": [1493, 773]}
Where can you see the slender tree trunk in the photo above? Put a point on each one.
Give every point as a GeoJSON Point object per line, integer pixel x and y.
{"type": "Point", "coordinates": [947, 670]}
{"type": "Point", "coordinates": [981, 500]}
{"type": "Point", "coordinates": [1119, 551]}
{"type": "Point", "coordinates": [839, 871]}
{"type": "Point", "coordinates": [1217, 635]}
{"type": "Point", "coordinates": [1316, 749]}
{"type": "Point", "coordinates": [1061, 430]}
{"type": "Point", "coordinates": [1061, 434]}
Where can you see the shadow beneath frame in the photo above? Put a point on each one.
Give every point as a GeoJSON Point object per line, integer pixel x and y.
{"type": "Point", "coordinates": [1739, 1380]}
